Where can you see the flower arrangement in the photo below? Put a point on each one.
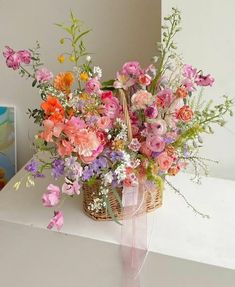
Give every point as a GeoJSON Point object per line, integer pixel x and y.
{"type": "Point", "coordinates": [146, 124]}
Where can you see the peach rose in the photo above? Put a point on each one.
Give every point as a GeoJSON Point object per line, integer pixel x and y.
{"type": "Point", "coordinates": [164, 161]}
{"type": "Point", "coordinates": [185, 114]}
{"type": "Point", "coordinates": [86, 142]}
{"type": "Point", "coordinates": [141, 99]}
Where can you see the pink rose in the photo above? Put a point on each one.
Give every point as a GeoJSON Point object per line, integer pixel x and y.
{"type": "Point", "coordinates": [164, 161]}
{"type": "Point", "coordinates": [71, 188]}
{"type": "Point", "coordinates": [52, 197]}
{"type": "Point", "coordinates": [25, 56]}
{"type": "Point", "coordinates": [164, 98]}
{"type": "Point", "coordinates": [57, 221]}
{"type": "Point", "coordinates": [155, 143]}
{"type": "Point", "coordinates": [141, 99]}
{"type": "Point", "coordinates": [104, 123]}
{"type": "Point", "coordinates": [8, 52]}
{"type": "Point", "coordinates": [204, 81]}
{"type": "Point", "coordinates": [131, 68]}
{"type": "Point", "coordinates": [111, 107]}
{"type": "Point", "coordinates": [43, 75]}
{"type": "Point", "coordinates": [13, 61]}
{"type": "Point", "coordinates": [92, 86]}
{"type": "Point", "coordinates": [145, 80]}
{"type": "Point", "coordinates": [64, 148]}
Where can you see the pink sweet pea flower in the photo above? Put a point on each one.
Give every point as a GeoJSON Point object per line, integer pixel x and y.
{"type": "Point", "coordinates": [8, 52]}
{"type": "Point", "coordinates": [155, 143]}
{"type": "Point", "coordinates": [164, 161]}
{"type": "Point", "coordinates": [131, 68]}
{"type": "Point", "coordinates": [51, 129]}
{"type": "Point", "coordinates": [25, 56]}
{"type": "Point", "coordinates": [57, 221]}
{"type": "Point", "coordinates": [92, 86]}
{"type": "Point", "coordinates": [43, 75]}
{"type": "Point", "coordinates": [204, 81]}
{"type": "Point", "coordinates": [52, 197]}
{"type": "Point", "coordinates": [189, 72]}
{"type": "Point", "coordinates": [71, 188]}
{"type": "Point", "coordinates": [64, 148]}
{"type": "Point", "coordinates": [123, 81]}
{"type": "Point", "coordinates": [13, 61]}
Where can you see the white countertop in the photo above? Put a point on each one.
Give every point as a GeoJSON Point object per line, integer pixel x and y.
{"type": "Point", "coordinates": [177, 231]}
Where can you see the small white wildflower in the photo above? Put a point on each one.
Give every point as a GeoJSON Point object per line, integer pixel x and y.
{"type": "Point", "coordinates": [97, 205]}
{"type": "Point", "coordinates": [97, 71]}
{"type": "Point", "coordinates": [120, 172]}
{"type": "Point", "coordinates": [88, 58]}
{"type": "Point", "coordinates": [109, 137]}
{"type": "Point", "coordinates": [108, 178]}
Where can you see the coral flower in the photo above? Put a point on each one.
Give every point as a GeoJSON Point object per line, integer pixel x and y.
{"type": "Point", "coordinates": [53, 109]}
{"type": "Point", "coordinates": [63, 82]}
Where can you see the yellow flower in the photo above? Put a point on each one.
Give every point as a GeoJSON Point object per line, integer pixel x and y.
{"type": "Point", "coordinates": [61, 59]}
{"type": "Point", "coordinates": [72, 58]}
{"type": "Point", "coordinates": [84, 76]}
{"type": "Point", "coordinates": [84, 96]}
{"type": "Point", "coordinates": [118, 145]}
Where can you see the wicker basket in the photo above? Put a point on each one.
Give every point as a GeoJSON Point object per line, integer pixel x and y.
{"type": "Point", "coordinates": [152, 199]}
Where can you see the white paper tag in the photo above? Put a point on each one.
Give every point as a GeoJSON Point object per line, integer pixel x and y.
{"type": "Point", "coordinates": [130, 196]}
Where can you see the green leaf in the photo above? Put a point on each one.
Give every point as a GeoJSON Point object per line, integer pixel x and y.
{"type": "Point", "coordinates": [108, 83]}
{"type": "Point", "coordinates": [34, 83]}
{"type": "Point", "coordinates": [110, 211]}
{"type": "Point", "coordinates": [117, 196]}
{"type": "Point", "coordinates": [81, 35]}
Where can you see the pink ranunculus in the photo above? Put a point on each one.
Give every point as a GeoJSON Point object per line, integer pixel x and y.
{"type": "Point", "coordinates": [25, 56]}
{"type": "Point", "coordinates": [86, 142]}
{"type": "Point", "coordinates": [155, 143]}
{"type": "Point", "coordinates": [145, 150]}
{"type": "Point", "coordinates": [71, 188]}
{"type": "Point", "coordinates": [51, 129]}
{"type": "Point", "coordinates": [104, 123]}
{"type": "Point", "coordinates": [151, 112]}
{"type": "Point", "coordinates": [93, 156]}
{"type": "Point", "coordinates": [131, 68]}
{"type": "Point", "coordinates": [164, 98]}
{"type": "Point", "coordinates": [72, 126]}
{"type": "Point", "coordinates": [8, 52]}
{"type": "Point", "coordinates": [145, 80]}
{"type": "Point", "coordinates": [112, 107]}
{"type": "Point", "coordinates": [13, 61]}
{"type": "Point", "coordinates": [204, 81]}
{"type": "Point", "coordinates": [141, 99]}
{"type": "Point", "coordinates": [134, 145]}
{"type": "Point", "coordinates": [43, 75]}
{"type": "Point", "coordinates": [57, 221]}
{"type": "Point", "coordinates": [64, 148]}
{"type": "Point", "coordinates": [189, 72]}
{"type": "Point", "coordinates": [92, 86]}
{"type": "Point", "coordinates": [158, 127]}
{"type": "Point", "coordinates": [123, 81]}
{"type": "Point", "coordinates": [52, 197]}
{"type": "Point", "coordinates": [164, 161]}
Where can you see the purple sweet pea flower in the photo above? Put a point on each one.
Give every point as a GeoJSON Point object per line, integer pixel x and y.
{"type": "Point", "coordinates": [32, 166]}
{"type": "Point", "coordinates": [57, 168]}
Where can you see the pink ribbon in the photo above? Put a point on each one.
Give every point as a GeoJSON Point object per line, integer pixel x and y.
{"type": "Point", "coordinates": [134, 245]}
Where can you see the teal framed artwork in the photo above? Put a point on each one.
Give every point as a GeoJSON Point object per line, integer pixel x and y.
{"type": "Point", "coordinates": [7, 144]}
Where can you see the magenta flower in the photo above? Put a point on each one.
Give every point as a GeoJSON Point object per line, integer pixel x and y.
{"type": "Point", "coordinates": [52, 197]}
{"type": "Point", "coordinates": [13, 61]}
{"type": "Point", "coordinates": [25, 56]}
{"type": "Point", "coordinates": [189, 72]}
{"type": "Point", "coordinates": [151, 112]}
{"type": "Point", "coordinates": [204, 81]}
{"type": "Point", "coordinates": [92, 86]}
{"type": "Point", "coordinates": [131, 68]}
{"type": "Point", "coordinates": [8, 52]}
{"type": "Point", "coordinates": [57, 221]}
{"type": "Point", "coordinates": [43, 75]}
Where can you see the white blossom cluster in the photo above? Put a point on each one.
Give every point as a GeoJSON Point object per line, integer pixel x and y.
{"type": "Point", "coordinates": [97, 205]}
{"type": "Point", "coordinates": [107, 178]}
{"type": "Point", "coordinates": [97, 71]}
{"type": "Point", "coordinates": [120, 172]}
{"type": "Point", "coordinates": [122, 135]}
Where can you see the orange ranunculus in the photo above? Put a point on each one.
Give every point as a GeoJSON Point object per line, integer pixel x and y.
{"type": "Point", "coordinates": [181, 93]}
{"type": "Point", "coordinates": [185, 114]}
{"type": "Point", "coordinates": [53, 109]}
{"type": "Point", "coordinates": [63, 82]}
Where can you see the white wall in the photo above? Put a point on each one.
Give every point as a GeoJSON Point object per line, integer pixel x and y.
{"type": "Point", "coordinates": [207, 41]}
{"type": "Point", "coordinates": [122, 30]}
